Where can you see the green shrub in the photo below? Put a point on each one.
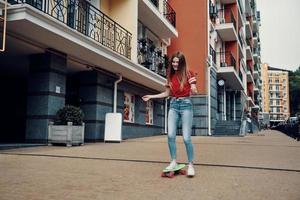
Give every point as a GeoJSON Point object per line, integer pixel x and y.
{"type": "Point", "coordinates": [69, 114]}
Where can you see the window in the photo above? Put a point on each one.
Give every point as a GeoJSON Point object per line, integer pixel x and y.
{"type": "Point", "coordinates": [129, 102]}
{"type": "Point", "coordinates": [149, 112]}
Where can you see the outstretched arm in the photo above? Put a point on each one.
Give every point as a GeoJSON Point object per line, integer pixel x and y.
{"type": "Point", "coordinates": [164, 94]}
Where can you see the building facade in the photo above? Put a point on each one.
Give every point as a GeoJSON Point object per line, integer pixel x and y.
{"type": "Point", "coordinates": [221, 42]}
{"type": "Point", "coordinates": [275, 93]}
{"type": "Point", "coordinates": [72, 52]}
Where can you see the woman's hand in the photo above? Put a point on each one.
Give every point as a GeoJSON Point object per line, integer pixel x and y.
{"type": "Point", "coordinates": [146, 97]}
{"type": "Point", "coordinates": [194, 89]}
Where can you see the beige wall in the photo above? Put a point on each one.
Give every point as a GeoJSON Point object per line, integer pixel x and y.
{"type": "Point", "coordinates": [105, 7]}
{"type": "Point", "coordinates": [125, 13]}
{"type": "Point", "coordinates": [265, 83]}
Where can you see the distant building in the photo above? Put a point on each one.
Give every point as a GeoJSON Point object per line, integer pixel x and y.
{"type": "Point", "coordinates": [275, 89]}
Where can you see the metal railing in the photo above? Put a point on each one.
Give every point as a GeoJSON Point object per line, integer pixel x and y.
{"type": "Point", "coordinates": [212, 52]}
{"type": "Point", "coordinates": [223, 19]}
{"type": "Point", "coordinates": [152, 57]}
{"type": "Point", "coordinates": [227, 59]}
{"type": "Point", "coordinates": [169, 13]}
{"type": "Point", "coordinates": [88, 20]}
{"type": "Point", "coordinates": [232, 19]}
{"type": "Point", "coordinates": [240, 40]}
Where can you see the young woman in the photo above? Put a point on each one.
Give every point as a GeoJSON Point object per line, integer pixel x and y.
{"type": "Point", "coordinates": [181, 83]}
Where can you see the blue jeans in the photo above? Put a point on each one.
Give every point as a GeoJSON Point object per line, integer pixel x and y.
{"type": "Point", "coordinates": [180, 109]}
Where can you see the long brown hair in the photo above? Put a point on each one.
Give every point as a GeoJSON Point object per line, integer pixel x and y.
{"type": "Point", "coordinates": [181, 70]}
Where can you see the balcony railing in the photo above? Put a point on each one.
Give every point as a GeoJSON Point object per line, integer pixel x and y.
{"type": "Point", "coordinates": [250, 69]}
{"type": "Point", "coordinates": [227, 59]}
{"type": "Point", "coordinates": [240, 5]}
{"type": "Point", "coordinates": [212, 52]}
{"type": "Point", "coordinates": [240, 40]}
{"type": "Point", "coordinates": [168, 11]}
{"type": "Point", "coordinates": [213, 12]}
{"type": "Point", "coordinates": [88, 20]}
{"type": "Point", "coordinates": [151, 57]}
{"type": "Point", "coordinates": [232, 19]}
{"type": "Point", "coordinates": [223, 18]}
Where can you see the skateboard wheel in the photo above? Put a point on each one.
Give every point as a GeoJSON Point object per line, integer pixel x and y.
{"type": "Point", "coordinates": [182, 172]}
{"type": "Point", "coordinates": [171, 174]}
{"type": "Point", "coordinates": [163, 174]}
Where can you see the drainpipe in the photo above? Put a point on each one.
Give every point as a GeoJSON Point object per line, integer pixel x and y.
{"type": "Point", "coordinates": [115, 91]}
{"type": "Point", "coordinates": [208, 94]}
{"type": "Point", "coordinates": [234, 107]}
{"type": "Point", "coordinates": [166, 115]}
{"type": "Point", "coordinates": [224, 97]}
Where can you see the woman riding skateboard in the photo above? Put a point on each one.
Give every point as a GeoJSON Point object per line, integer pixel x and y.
{"type": "Point", "coordinates": [181, 83]}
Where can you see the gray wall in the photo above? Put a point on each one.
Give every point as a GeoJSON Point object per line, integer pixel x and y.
{"type": "Point", "coordinates": [96, 93]}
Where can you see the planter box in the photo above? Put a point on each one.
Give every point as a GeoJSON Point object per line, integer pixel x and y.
{"type": "Point", "coordinates": [66, 134]}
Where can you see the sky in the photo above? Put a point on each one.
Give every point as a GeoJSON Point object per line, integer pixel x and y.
{"type": "Point", "coordinates": [280, 33]}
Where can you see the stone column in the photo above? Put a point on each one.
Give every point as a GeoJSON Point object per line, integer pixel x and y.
{"type": "Point", "coordinates": [96, 94]}
{"type": "Point", "coordinates": [46, 93]}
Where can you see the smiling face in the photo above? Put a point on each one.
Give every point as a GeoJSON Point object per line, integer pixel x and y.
{"type": "Point", "coordinates": [175, 63]}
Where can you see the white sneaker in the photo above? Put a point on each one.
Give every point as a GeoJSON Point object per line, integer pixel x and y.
{"type": "Point", "coordinates": [191, 171]}
{"type": "Point", "coordinates": [172, 165]}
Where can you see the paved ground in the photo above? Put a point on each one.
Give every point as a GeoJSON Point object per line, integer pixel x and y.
{"type": "Point", "coordinates": [261, 166]}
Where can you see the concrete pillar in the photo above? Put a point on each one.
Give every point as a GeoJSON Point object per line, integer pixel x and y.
{"type": "Point", "coordinates": [96, 94]}
{"type": "Point", "coordinates": [46, 93]}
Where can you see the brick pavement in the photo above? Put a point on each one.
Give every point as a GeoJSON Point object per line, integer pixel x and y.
{"type": "Point", "coordinates": [260, 166]}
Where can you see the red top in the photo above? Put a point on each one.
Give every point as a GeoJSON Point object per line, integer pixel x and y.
{"type": "Point", "coordinates": [175, 85]}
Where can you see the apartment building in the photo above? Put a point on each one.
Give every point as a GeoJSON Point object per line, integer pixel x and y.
{"type": "Point", "coordinates": [275, 93]}
{"type": "Point", "coordinates": [221, 42]}
{"type": "Point", "coordinates": [73, 52]}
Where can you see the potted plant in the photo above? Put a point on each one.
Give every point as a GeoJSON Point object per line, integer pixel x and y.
{"type": "Point", "coordinates": [68, 128]}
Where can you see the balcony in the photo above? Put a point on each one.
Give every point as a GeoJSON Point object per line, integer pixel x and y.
{"type": "Point", "coordinates": [228, 72]}
{"type": "Point", "coordinates": [255, 41]}
{"type": "Point", "coordinates": [249, 75]}
{"type": "Point", "coordinates": [87, 20]}
{"type": "Point", "coordinates": [87, 36]}
{"type": "Point", "coordinates": [255, 23]}
{"type": "Point", "coordinates": [250, 98]}
{"type": "Point", "coordinates": [256, 55]}
{"type": "Point", "coordinates": [213, 54]}
{"type": "Point", "coordinates": [248, 29]}
{"type": "Point", "coordinates": [226, 29]}
{"type": "Point", "coordinates": [249, 55]}
{"type": "Point", "coordinates": [151, 57]}
{"type": "Point", "coordinates": [248, 9]}
{"type": "Point", "coordinates": [256, 90]}
{"type": "Point", "coordinates": [160, 19]}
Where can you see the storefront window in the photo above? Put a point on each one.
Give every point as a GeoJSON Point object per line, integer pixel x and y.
{"type": "Point", "coordinates": [129, 103]}
{"type": "Point", "coordinates": [149, 112]}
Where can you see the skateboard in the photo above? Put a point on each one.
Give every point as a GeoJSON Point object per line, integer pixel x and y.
{"type": "Point", "coordinates": [171, 173]}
